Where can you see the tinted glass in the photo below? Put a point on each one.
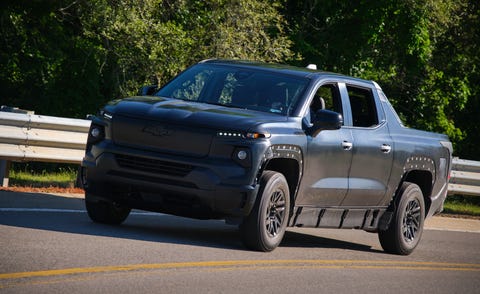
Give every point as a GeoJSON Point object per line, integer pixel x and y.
{"type": "Point", "coordinates": [363, 107]}
{"type": "Point", "coordinates": [236, 87]}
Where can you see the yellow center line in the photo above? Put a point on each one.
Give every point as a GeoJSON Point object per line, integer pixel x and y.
{"type": "Point", "coordinates": [362, 264]}
{"type": "Point", "coordinates": [372, 267]}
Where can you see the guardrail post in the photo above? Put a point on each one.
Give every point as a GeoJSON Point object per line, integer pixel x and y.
{"type": "Point", "coordinates": [5, 164]}
{"type": "Point", "coordinates": [4, 172]}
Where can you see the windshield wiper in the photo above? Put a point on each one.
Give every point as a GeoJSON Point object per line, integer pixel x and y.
{"type": "Point", "coordinates": [229, 105]}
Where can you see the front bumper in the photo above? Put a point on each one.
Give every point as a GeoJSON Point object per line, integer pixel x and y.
{"type": "Point", "coordinates": [196, 188]}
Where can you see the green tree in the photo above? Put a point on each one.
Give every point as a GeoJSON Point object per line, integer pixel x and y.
{"type": "Point", "coordinates": [68, 57]}
{"type": "Point", "coordinates": [458, 52]}
{"type": "Point", "coordinates": [46, 65]}
{"type": "Point", "coordinates": [161, 38]}
{"type": "Point", "coordinates": [242, 29]}
{"type": "Point", "coordinates": [403, 45]}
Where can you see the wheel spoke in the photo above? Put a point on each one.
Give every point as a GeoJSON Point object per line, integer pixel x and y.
{"type": "Point", "coordinates": [275, 213]}
{"type": "Point", "coordinates": [278, 219]}
{"type": "Point", "coordinates": [276, 227]}
{"type": "Point", "coordinates": [411, 221]}
{"type": "Point", "coordinates": [411, 234]}
{"type": "Point", "coordinates": [415, 223]}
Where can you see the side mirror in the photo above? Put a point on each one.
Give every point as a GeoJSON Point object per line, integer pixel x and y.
{"type": "Point", "coordinates": [147, 90]}
{"type": "Point", "coordinates": [326, 120]}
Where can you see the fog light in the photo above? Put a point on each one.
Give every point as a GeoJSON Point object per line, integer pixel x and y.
{"type": "Point", "coordinates": [242, 154]}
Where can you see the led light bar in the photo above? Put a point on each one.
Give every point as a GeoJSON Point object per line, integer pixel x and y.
{"type": "Point", "coordinates": [249, 135]}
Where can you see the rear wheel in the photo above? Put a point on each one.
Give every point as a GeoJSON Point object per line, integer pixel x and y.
{"type": "Point", "coordinates": [105, 212]}
{"type": "Point", "coordinates": [264, 228]}
{"type": "Point", "coordinates": [406, 228]}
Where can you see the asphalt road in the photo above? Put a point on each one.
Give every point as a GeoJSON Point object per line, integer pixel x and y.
{"type": "Point", "coordinates": [49, 245]}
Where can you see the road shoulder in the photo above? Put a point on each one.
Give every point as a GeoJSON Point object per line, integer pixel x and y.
{"type": "Point", "coordinates": [10, 198]}
{"type": "Point", "coordinates": [444, 223]}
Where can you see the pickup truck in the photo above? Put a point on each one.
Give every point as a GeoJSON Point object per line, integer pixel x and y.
{"type": "Point", "coordinates": [266, 147]}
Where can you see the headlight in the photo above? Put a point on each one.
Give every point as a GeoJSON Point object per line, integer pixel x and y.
{"type": "Point", "coordinates": [96, 134]}
{"type": "Point", "coordinates": [257, 135]}
{"type": "Point", "coordinates": [227, 134]}
{"type": "Point", "coordinates": [248, 135]}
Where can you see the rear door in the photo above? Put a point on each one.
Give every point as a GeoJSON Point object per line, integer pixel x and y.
{"type": "Point", "coordinates": [372, 150]}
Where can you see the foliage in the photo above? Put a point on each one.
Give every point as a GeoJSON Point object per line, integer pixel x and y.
{"type": "Point", "coordinates": [410, 47]}
{"type": "Point", "coordinates": [68, 57]}
{"type": "Point", "coordinates": [459, 54]}
{"type": "Point", "coordinates": [46, 65]}
{"type": "Point", "coordinates": [163, 37]}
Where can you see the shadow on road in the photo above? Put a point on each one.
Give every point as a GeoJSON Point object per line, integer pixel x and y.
{"type": "Point", "coordinates": [304, 240]}
{"type": "Point", "coordinates": [138, 226]}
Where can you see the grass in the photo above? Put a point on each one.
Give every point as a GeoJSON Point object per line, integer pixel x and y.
{"type": "Point", "coordinates": [63, 178]}
{"type": "Point", "coordinates": [465, 205]}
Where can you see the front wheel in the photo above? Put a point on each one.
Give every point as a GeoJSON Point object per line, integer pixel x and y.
{"type": "Point", "coordinates": [405, 230]}
{"type": "Point", "coordinates": [264, 228]}
{"type": "Point", "coordinates": [105, 212]}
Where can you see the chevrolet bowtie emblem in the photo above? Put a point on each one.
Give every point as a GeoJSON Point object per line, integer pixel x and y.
{"type": "Point", "coordinates": [159, 131]}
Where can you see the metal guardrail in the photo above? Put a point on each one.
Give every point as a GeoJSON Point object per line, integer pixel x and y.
{"type": "Point", "coordinates": [28, 137]}
{"type": "Point", "coordinates": [465, 177]}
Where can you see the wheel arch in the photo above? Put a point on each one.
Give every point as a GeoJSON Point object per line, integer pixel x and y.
{"type": "Point", "coordinates": [421, 171]}
{"type": "Point", "coordinates": [290, 169]}
{"type": "Point", "coordinates": [287, 160]}
{"type": "Point", "coordinates": [424, 180]}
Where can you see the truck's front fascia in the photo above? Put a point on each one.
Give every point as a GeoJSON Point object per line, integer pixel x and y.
{"type": "Point", "coordinates": [220, 184]}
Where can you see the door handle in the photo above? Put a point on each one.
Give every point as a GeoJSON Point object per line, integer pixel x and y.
{"type": "Point", "coordinates": [347, 145]}
{"type": "Point", "coordinates": [386, 148]}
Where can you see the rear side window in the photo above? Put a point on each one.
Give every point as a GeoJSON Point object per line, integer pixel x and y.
{"type": "Point", "coordinates": [362, 103]}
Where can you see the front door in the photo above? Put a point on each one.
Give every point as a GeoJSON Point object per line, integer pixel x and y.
{"type": "Point", "coordinates": [329, 154]}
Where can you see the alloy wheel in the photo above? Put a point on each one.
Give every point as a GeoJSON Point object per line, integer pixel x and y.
{"type": "Point", "coordinates": [411, 221]}
{"type": "Point", "coordinates": [275, 214]}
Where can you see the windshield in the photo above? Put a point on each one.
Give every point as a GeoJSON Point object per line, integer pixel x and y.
{"type": "Point", "coordinates": [236, 87]}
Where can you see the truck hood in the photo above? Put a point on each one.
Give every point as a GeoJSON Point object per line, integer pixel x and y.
{"type": "Point", "coordinates": [171, 126]}
{"type": "Point", "coordinates": [189, 113]}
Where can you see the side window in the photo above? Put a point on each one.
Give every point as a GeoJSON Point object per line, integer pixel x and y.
{"type": "Point", "coordinates": [362, 103]}
{"type": "Point", "coordinates": [327, 97]}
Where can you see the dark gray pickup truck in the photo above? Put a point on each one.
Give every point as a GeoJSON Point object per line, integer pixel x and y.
{"type": "Point", "coordinates": [266, 146]}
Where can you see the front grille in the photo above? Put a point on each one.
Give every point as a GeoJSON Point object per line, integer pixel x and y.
{"type": "Point", "coordinates": [153, 165]}
{"type": "Point", "coordinates": [154, 136]}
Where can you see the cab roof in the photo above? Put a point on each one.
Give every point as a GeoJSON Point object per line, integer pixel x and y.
{"type": "Point", "coordinates": [286, 69]}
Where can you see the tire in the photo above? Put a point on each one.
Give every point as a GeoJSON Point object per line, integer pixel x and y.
{"type": "Point", "coordinates": [264, 228]}
{"type": "Point", "coordinates": [105, 212]}
{"type": "Point", "coordinates": [405, 230]}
